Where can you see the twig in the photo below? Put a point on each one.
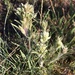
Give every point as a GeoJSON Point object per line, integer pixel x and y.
{"type": "Point", "coordinates": [41, 11]}
{"type": "Point", "coordinates": [9, 55]}
{"type": "Point", "coordinates": [8, 9]}
{"type": "Point", "coordinates": [50, 1]}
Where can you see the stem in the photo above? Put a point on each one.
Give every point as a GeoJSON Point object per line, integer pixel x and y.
{"type": "Point", "coordinates": [41, 12]}
{"type": "Point", "coordinates": [29, 44]}
{"type": "Point", "coordinates": [52, 6]}
{"type": "Point", "coordinates": [8, 9]}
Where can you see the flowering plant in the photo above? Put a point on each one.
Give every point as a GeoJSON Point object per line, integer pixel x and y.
{"type": "Point", "coordinates": [26, 13]}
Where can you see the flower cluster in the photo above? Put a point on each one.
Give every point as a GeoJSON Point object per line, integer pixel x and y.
{"type": "Point", "coordinates": [44, 37]}
{"type": "Point", "coordinates": [26, 12]}
{"type": "Point", "coordinates": [61, 45]}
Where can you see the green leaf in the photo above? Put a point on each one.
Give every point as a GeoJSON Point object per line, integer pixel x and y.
{"type": "Point", "coordinates": [23, 55]}
{"type": "Point", "coordinates": [29, 64]}
{"type": "Point", "coordinates": [73, 30]}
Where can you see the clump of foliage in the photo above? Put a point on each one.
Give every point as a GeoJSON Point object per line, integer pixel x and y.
{"type": "Point", "coordinates": [39, 46]}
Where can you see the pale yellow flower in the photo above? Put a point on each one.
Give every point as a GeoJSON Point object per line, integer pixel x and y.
{"type": "Point", "coordinates": [41, 63]}
{"type": "Point", "coordinates": [27, 13]}
{"type": "Point", "coordinates": [44, 24]}
{"type": "Point", "coordinates": [61, 45]}
{"type": "Point", "coordinates": [42, 47]}
{"type": "Point", "coordinates": [22, 30]}
{"type": "Point", "coordinates": [59, 42]}
{"type": "Point", "coordinates": [29, 8]}
{"type": "Point", "coordinates": [45, 37]}
{"type": "Point", "coordinates": [65, 49]}
{"type": "Point", "coordinates": [73, 23]}
{"type": "Point", "coordinates": [25, 23]}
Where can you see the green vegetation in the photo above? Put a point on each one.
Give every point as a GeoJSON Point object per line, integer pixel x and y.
{"type": "Point", "coordinates": [37, 43]}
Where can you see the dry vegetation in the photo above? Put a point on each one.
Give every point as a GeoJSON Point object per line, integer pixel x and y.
{"type": "Point", "coordinates": [37, 37]}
